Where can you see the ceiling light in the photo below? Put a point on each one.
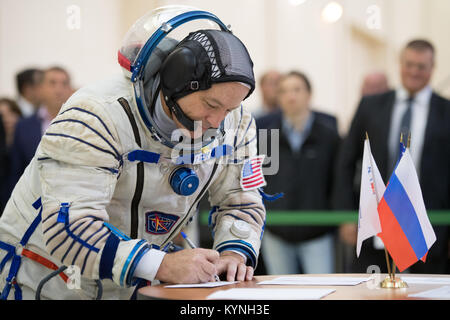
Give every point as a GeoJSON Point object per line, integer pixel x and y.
{"type": "Point", "coordinates": [332, 12]}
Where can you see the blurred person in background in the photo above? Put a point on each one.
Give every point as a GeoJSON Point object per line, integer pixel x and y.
{"type": "Point", "coordinates": [3, 161]}
{"type": "Point", "coordinates": [55, 90]}
{"type": "Point", "coordinates": [28, 84]}
{"type": "Point", "coordinates": [382, 117]}
{"type": "Point", "coordinates": [268, 84]}
{"type": "Point", "coordinates": [374, 83]}
{"type": "Point", "coordinates": [9, 115]}
{"type": "Point", "coordinates": [307, 151]}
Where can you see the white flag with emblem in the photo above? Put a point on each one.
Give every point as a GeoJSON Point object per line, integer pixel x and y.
{"type": "Point", "coordinates": [372, 190]}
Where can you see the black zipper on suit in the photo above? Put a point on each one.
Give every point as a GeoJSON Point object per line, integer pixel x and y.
{"type": "Point", "coordinates": [199, 197]}
{"type": "Point", "coordinates": [139, 175]}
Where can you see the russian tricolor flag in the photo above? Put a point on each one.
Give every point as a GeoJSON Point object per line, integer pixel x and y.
{"type": "Point", "coordinates": [406, 230]}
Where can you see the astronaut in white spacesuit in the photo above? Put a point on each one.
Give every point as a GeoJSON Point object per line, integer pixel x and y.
{"type": "Point", "coordinates": [121, 170]}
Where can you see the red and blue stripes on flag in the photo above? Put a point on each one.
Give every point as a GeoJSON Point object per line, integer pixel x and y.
{"type": "Point", "coordinates": [252, 176]}
{"type": "Point", "coordinates": [401, 230]}
{"type": "Point", "coordinates": [405, 229]}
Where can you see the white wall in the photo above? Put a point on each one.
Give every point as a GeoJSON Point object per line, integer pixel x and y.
{"type": "Point", "coordinates": [42, 33]}
{"type": "Point", "coordinates": [316, 48]}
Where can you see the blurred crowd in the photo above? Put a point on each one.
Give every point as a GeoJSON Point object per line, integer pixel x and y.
{"type": "Point", "coordinates": [319, 168]}
{"type": "Point", "coordinates": [40, 95]}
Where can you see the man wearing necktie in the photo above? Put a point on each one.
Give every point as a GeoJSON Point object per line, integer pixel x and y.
{"type": "Point", "coordinates": [413, 108]}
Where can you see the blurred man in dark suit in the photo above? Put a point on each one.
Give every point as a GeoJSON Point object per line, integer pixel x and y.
{"type": "Point", "coordinates": [56, 89]}
{"type": "Point", "coordinates": [28, 83]}
{"type": "Point", "coordinates": [413, 107]}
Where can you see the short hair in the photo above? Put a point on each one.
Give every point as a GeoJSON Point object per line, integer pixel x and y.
{"type": "Point", "coordinates": [264, 77]}
{"type": "Point", "coordinates": [13, 106]}
{"type": "Point", "coordinates": [58, 69]}
{"type": "Point", "coordinates": [420, 45]}
{"type": "Point", "coordinates": [28, 77]}
{"type": "Point", "coordinates": [300, 75]}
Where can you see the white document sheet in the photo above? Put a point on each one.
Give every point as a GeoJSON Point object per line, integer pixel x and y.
{"type": "Point", "coordinates": [438, 293]}
{"type": "Point", "coordinates": [202, 285]}
{"type": "Point", "coordinates": [317, 281]}
{"type": "Point", "coordinates": [270, 294]}
{"type": "Point", "coordinates": [426, 280]}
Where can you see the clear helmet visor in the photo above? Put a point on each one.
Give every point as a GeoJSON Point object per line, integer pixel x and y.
{"type": "Point", "coordinates": [147, 44]}
{"type": "Point", "coordinates": [161, 28]}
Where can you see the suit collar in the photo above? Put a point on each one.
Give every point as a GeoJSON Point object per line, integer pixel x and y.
{"type": "Point", "coordinates": [422, 97]}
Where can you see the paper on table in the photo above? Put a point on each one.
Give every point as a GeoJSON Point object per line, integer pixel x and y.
{"type": "Point", "coordinates": [438, 293]}
{"type": "Point", "coordinates": [426, 280]}
{"type": "Point", "coordinates": [317, 281]}
{"type": "Point", "coordinates": [269, 294]}
{"type": "Point", "coordinates": [202, 285]}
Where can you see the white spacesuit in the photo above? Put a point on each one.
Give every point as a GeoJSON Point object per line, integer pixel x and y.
{"type": "Point", "coordinates": [103, 166]}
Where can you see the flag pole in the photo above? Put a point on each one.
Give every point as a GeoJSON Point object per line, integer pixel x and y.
{"type": "Point", "coordinates": [388, 263]}
{"type": "Point", "coordinates": [401, 141]}
{"type": "Point", "coordinates": [407, 146]}
{"type": "Point", "coordinates": [393, 269]}
{"type": "Point", "coordinates": [385, 251]}
{"type": "Point", "coordinates": [393, 262]}
{"type": "Point", "coordinates": [409, 141]}
{"type": "Point", "coordinates": [391, 282]}
{"type": "Point", "coordinates": [392, 273]}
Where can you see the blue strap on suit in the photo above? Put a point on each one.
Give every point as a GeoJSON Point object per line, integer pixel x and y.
{"type": "Point", "coordinates": [16, 258]}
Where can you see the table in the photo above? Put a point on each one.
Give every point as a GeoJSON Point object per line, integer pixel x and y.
{"type": "Point", "coordinates": [364, 291]}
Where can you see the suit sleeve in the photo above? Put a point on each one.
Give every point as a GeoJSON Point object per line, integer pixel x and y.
{"type": "Point", "coordinates": [79, 163]}
{"type": "Point", "coordinates": [335, 144]}
{"type": "Point", "coordinates": [350, 151]}
{"type": "Point", "coordinates": [234, 206]}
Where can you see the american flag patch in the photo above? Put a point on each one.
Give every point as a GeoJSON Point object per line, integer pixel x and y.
{"type": "Point", "coordinates": [252, 174]}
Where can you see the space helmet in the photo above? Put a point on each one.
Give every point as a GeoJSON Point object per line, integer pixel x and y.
{"type": "Point", "coordinates": [179, 50]}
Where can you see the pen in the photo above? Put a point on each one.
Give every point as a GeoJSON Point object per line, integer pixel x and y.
{"type": "Point", "coordinates": [192, 245]}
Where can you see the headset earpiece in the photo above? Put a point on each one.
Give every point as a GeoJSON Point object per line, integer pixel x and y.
{"type": "Point", "coordinates": [184, 71]}
{"type": "Point", "coordinates": [178, 69]}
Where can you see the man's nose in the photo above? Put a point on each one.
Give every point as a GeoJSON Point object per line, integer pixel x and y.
{"type": "Point", "coordinates": [214, 118]}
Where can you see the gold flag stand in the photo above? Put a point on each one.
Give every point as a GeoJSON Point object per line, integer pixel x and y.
{"type": "Point", "coordinates": [391, 282]}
